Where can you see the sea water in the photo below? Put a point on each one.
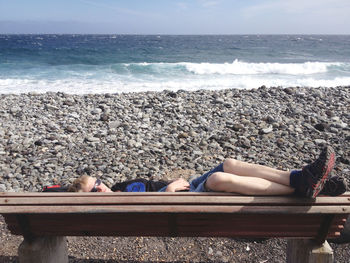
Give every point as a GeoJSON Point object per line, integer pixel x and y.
{"type": "Point", "coordinates": [81, 64]}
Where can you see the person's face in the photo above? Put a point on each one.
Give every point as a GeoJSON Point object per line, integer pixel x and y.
{"type": "Point", "coordinates": [91, 183]}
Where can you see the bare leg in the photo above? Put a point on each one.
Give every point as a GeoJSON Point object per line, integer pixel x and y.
{"type": "Point", "coordinates": [240, 168]}
{"type": "Point", "coordinates": [246, 185]}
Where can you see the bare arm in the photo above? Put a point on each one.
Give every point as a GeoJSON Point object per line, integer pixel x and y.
{"type": "Point", "coordinates": [179, 184]}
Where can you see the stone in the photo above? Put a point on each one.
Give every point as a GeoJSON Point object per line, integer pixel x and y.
{"type": "Point", "coordinates": [266, 130]}
{"type": "Point", "coordinates": [183, 135]}
{"type": "Point", "coordinates": [341, 125]}
{"type": "Point", "coordinates": [244, 142]}
{"type": "Point", "coordinates": [96, 111]}
{"type": "Point", "coordinates": [104, 117]}
{"type": "Point", "coordinates": [237, 127]}
{"type": "Point", "coordinates": [320, 141]}
{"type": "Point", "coordinates": [321, 126]}
{"type": "Point", "coordinates": [114, 124]}
{"type": "Point", "coordinates": [69, 102]}
{"type": "Point", "coordinates": [2, 188]}
{"type": "Point", "coordinates": [43, 250]}
{"type": "Point", "coordinates": [71, 128]}
{"type": "Point", "coordinates": [92, 139]}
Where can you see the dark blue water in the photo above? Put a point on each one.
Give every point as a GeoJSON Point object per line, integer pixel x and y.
{"type": "Point", "coordinates": [123, 63]}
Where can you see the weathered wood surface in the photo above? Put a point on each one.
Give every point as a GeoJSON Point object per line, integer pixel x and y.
{"type": "Point", "coordinates": [303, 226]}
{"type": "Point", "coordinates": [174, 214]}
{"type": "Point", "coordinates": [172, 203]}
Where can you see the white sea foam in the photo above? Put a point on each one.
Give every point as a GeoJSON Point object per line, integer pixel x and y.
{"type": "Point", "coordinates": [84, 86]}
{"type": "Point", "coordinates": [138, 77]}
{"type": "Point", "coordinates": [244, 68]}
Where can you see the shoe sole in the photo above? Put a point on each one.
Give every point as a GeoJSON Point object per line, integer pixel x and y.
{"type": "Point", "coordinates": [326, 174]}
{"type": "Point", "coordinates": [338, 186]}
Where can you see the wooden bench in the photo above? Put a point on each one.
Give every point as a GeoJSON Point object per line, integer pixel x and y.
{"type": "Point", "coordinates": [44, 219]}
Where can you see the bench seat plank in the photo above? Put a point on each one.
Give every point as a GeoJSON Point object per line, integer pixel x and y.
{"type": "Point", "coordinates": [150, 224]}
{"type": "Point", "coordinates": [85, 209]}
{"type": "Point", "coordinates": [154, 198]}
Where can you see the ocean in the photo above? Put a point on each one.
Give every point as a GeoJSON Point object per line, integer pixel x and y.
{"type": "Point", "coordinates": [81, 64]}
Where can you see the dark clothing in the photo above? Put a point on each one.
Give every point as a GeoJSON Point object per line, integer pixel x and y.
{"type": "Point", "coordinates": [139, 185]}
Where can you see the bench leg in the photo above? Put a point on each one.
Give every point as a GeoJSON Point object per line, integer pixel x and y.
{"type": "Point", "coordinates": [308, 251]}
{"type": "Point", "coordinates": [43, 250]}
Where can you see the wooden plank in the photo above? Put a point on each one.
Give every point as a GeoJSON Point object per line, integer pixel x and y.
{"type": "Point", "coordinates": [159, 225]}
{"type": "Point", "coordinates": [177, 209]}
{"type": "Point", "coordinates": [166, 233]}
{"type": "Point", "coordinates": [43, 194]}
{"type": "Point", "coordinates": [189, 200]}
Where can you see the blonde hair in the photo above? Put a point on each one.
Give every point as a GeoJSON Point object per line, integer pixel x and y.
{"type": "Point", "coordinates": [77, 185]}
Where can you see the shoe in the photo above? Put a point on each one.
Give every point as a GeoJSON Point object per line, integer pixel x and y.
{"type": "Point", "coordinates": [336, 185]}
{"type": "Point", "coordinates": [317, 173]}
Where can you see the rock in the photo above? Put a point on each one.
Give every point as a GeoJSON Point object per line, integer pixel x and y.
{"type": "Point", "coordinates": [14, 110]}
{"type": "Point", "coordinates": [69, 102]}
{"type": "Point", "coordinates": [237, 127]}
{"type": "Point", "coordinates": [244, 142]}
{"type": "Point", "coordinates": [50, 107]}
{"type": "Point", "coordinates": [341, 125]}
{"type": "Point", "coordinates": [74, 115]}
{"type": "Point", "coordinates": [92, 139]}
{"type": "Point", "coordinates": [38, 143]}
{"type": "Point", "coordinates": [219, 101]}
{"type": "Point", "coordinates": [2, 188]}
{"type": "Point", "coordinates": [114, 124]}
{"type": "Point", "coordinates": [321, 126]}
{"type": "Point", "coordinates": [289, 91]}
{"type": "Point", "coordinates": [71, 128]}
{"type": "Point", "coordinates": [183, 135]}
{"type": "Point", "coordinates": [266, 130]}
{"type": "Point", "coordinates": [96, 111]}
{"type": "Point", "coordinates": [104, 117]}
{"type": "Point", "coordinates": [320, 142]}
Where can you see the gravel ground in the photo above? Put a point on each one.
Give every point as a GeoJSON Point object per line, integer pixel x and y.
{"type": "Point", "coordinates": [55, 137]}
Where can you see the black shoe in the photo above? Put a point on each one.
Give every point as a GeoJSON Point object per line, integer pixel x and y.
{"type": "Point", "coordinates": [336, 185]}
{"type": "Point", "coordinates": [317, 173]}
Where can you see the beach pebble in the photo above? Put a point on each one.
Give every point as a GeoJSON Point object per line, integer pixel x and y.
{"type": "Point", "coordinates": [71, 128]}
{"type": "Point", "coordinates": [320, 141]}
{"type": "Point", "coordinates": [266, 130]}
{"type": "Point", "coordinates": [2, 188]}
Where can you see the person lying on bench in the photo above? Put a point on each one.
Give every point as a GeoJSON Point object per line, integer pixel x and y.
{"type": "Point", "coordinates": [239, 177]}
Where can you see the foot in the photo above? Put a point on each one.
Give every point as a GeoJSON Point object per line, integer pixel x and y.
{"type": "Point", "coordinates": [335, 186]}
{"type": "Point", "coordinates": [317, 173]}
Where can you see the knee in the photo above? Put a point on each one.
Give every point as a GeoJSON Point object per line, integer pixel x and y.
{"type": "Point", "coordinates": [230, 162]}
{"type": "Point", "coordinates": [214, 181]}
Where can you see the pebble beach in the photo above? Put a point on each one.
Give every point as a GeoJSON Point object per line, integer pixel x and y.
{"type": "Point", "coordinates": [49, 138]}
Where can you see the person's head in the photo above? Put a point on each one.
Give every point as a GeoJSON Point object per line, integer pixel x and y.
{"type": "Point", "coordinates": [87, 183]}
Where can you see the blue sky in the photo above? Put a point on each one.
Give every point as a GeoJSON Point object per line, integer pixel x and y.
{"type": "Point", "coordinates": [175, 17]}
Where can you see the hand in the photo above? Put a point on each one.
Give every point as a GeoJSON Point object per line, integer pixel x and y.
{"type": "Point", "coordinates": [179, 184]}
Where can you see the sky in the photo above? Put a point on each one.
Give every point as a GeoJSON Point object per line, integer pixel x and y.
{"type": "Point", "coordinates": [175, 16]}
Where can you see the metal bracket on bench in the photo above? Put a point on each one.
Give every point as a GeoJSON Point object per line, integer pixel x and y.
{"type": "Point", "coordinates": [324, 229]}
{"type": "Point", "coordinates": [25, 227]}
